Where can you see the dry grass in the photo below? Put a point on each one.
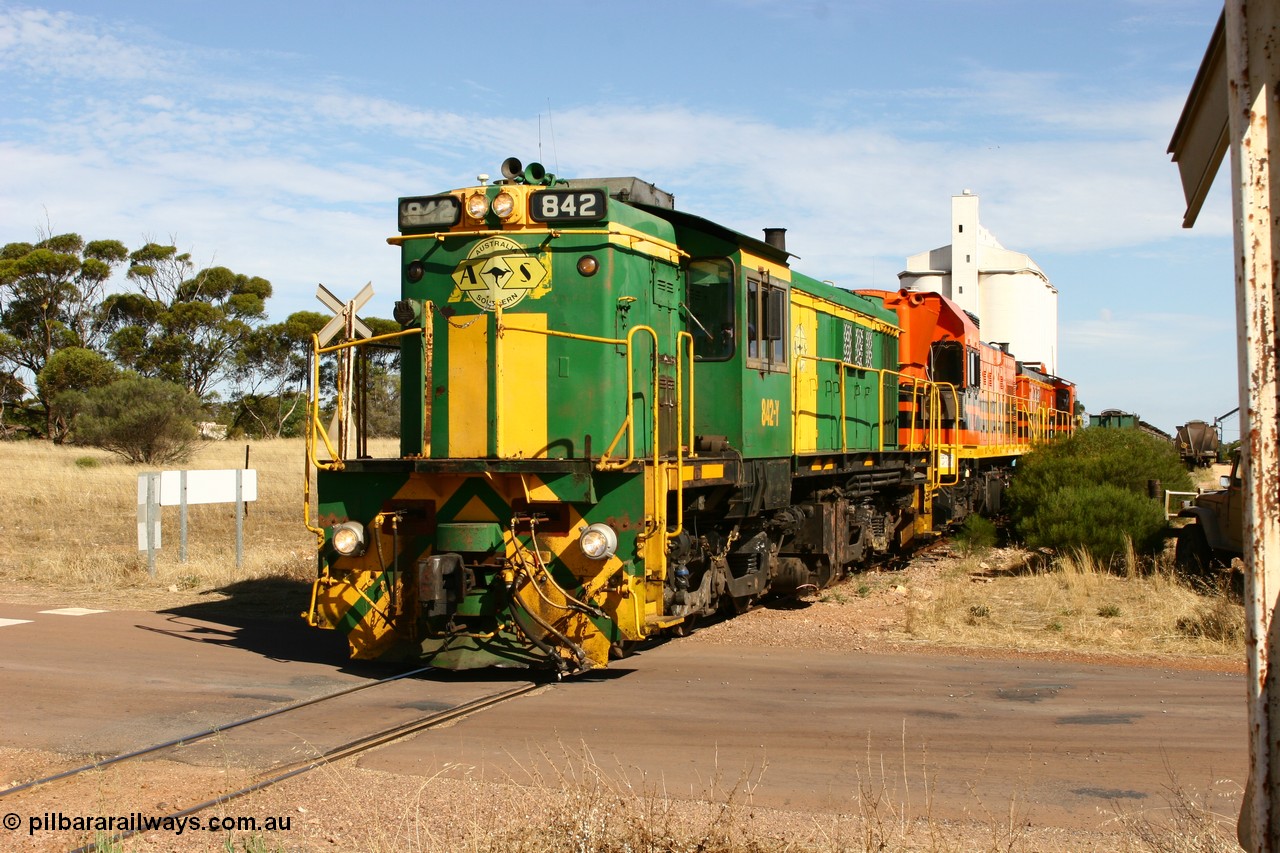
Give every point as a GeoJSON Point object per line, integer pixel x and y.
{"type": "Point", "coordinates": [1186, 824]}
{"type": "Point", "coordinates": [566, 802]}
{"type": "Point", "coordinates": [72, 522]}
{"type": "Point", "coordinates": [1071, 602]}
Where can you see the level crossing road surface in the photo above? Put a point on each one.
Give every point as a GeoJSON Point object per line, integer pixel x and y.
{"type": "Point", "coordinates": [1059, 743]}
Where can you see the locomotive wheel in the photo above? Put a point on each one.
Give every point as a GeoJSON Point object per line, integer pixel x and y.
{"type": "Point", "coordinates": [1192, 554]}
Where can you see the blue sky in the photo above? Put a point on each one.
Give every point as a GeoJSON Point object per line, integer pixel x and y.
{"type": "Point", "coordinates": [274, 138]}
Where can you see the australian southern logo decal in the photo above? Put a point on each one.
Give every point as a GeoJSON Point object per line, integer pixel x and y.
{"type": "Point", "coordinates": [498, 271]}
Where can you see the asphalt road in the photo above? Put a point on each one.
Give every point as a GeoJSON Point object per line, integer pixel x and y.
{"type": "Point", "coordinates": [1058, 744]}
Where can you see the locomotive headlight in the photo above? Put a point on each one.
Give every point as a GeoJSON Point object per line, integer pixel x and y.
{"type": "Point", "coordinates": [588, 265]}
{"type": "Point", "coordinates": [599, 541]}
{"type": "Point", "coordinates": [504, 204]}
{"type": "Point", "coordinates": [477, 206]}
{"type": "Point", "coordinates": [348, 538]}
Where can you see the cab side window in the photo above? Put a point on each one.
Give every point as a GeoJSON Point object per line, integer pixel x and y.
{"type": "Point", "coordinates": [766, 323]}
{"type": "Point", "coordinates": [710, 315]}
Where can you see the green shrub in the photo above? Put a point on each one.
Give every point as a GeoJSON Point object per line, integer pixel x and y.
{"type": "Point", "coordinates": [1119, 457]}
{"type": "Point", "coordinates": [143, 420]}
{"type": "Point", "coordinates": [977, 534]}
{"type": "Point", "coordinates": [1089, 491]}
{"type": "Point", "coordinates": [1100, 519]}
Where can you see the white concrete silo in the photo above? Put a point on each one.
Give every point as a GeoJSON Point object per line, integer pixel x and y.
{"type": "Point", "coordinates": [1014, 300]}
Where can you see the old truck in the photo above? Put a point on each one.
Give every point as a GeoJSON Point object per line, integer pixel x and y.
{"type": "Point", "coordinates": [1215, 534]}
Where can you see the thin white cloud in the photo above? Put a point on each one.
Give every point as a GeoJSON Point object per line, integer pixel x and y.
{"type": "Point", "coordinates": [61, 44]}
{"type": "Point", "coordinates": [1159, 335]}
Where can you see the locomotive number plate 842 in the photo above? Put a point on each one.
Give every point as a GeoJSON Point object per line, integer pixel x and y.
{"type": "Point", "coordinates": [567, 205]}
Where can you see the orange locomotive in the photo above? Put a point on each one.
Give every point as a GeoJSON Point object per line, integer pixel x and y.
{"type": "Point", "coordinates": [978, 407]}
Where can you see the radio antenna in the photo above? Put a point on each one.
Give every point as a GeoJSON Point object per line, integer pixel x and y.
{"type": "Point", "coordinates": [552, 128]}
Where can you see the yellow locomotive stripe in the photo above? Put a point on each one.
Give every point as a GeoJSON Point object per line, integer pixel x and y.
{"type": "Point", "coordinates": [777, 272]}
{"type": "Point", "coordinates": [468, 391]}
{"type": "Point", "coordinates": [708, 471]}
{"type": "Point", "coordinates": [475, 510]}
{"type": "Point", "coordinates": [522, 394]}
{"type": "Point", "coordinates": [825, 306]}
{"type": "Point", "coordinates": [641, 243]}
{"type": "Point", "coordinates": [804, 377]}
{"type": "Point", "coordinates": [618, 235]}
{"type": "Point", "coordinates": [990, 451]}
{"type": "Point", "coordinates": [536, 491]}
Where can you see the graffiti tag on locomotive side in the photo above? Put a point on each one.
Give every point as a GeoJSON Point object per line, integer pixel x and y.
{"type": "Point", "coordinates": [498, 271]}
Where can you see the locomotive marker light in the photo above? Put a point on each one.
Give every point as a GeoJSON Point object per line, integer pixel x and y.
{"type": "Point", "coordinates": [599, 541]}
{"type": "Point", "coordinates": [404, 313]}
{"type": "Point", "coordinates": [348, 538]}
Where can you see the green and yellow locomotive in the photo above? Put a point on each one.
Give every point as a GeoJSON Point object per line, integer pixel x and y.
{"type": "Point", "coordinates": [616, 419]}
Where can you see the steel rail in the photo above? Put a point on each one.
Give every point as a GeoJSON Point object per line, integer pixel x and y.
{"type": "Point", "coordinates": [201, 735]}
{"type": "Point", "coordinates": [284, 772]}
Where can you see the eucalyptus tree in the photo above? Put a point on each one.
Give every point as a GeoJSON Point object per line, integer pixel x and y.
{"type": "Point", "coordinates": [271, 376]}
{"type": "Point", "coordinates": [182, 325]}
{"type": "Point", "coordinates": [50, 295]}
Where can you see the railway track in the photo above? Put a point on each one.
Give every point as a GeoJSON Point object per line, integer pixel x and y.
{"type": "Point", "coordinates": [282, 771]}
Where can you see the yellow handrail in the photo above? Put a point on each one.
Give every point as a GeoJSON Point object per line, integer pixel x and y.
{"type": "Point", "coordinates": [614, 230]}
{"type": "Point", "coordinates": [314, 425]}
{"type": "Point", "coordinates": [680, 447]}
{"type": "Point", "coordinates": [844, 366]}
{"type": "Point", "coordinates": [629, 421]}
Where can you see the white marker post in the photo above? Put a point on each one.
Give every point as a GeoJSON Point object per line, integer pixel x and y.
{"type": "Point", "coordinates": [183, 488]}
{"type": "Point", "coordinates": [149, 517]}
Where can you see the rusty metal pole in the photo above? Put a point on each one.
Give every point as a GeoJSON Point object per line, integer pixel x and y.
{"type": "Point", "coordinates": [1253, 67]}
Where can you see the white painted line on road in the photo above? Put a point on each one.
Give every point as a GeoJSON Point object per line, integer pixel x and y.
{"type": "Point", "coordinates": [5, 623]}
{"type": "Point", "coordinates": [72, 611]}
